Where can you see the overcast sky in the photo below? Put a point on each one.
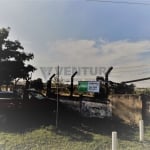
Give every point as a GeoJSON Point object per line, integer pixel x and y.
{"type": "Point", "coordinates": [82, 33]}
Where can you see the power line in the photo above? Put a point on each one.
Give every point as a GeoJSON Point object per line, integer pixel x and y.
{"type": "Point", "coordinates": [122, 2]}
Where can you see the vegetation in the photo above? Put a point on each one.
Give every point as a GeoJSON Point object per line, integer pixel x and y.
{"type": "Point", "coordinates": [38, 132]}
{"type": "Point", "coordinates": [122, 88]}
{"type": "Point", "coordinates": [37, 84]}
{"type": "Point", "coordinates": [12, 59]}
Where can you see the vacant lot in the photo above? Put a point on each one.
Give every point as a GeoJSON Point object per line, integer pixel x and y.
{"type": "Point", "coordinates": [36, 131]}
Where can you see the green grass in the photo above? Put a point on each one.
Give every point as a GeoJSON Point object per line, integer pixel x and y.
{"type": "Point", "coordinates": [74, 133]}
{"type": "Point", "coordinates": [48, 138]}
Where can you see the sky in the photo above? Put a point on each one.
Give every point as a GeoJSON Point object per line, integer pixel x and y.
{"type": "Point", "coordinates": [82, 33]}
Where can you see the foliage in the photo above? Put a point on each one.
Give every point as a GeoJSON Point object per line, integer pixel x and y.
{"type": "Point", "coordinates": [37, 84]}
{"type": "Point", "coordinates": [123, 88]}
{"type": "Point", "coordinates": [12, 59]}
{"type": "Point", "coordinates": [74, 139]}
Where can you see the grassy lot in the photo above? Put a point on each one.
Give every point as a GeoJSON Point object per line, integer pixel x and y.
{"type": "Point", "coordinates": [36, 131]}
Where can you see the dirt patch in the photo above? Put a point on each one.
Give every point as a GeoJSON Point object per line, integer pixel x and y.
{"type": "Point", "coordinates": [127, 107]}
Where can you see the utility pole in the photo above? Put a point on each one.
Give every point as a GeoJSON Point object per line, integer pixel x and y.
{"type": "Point", "coordinates": [57, 108]}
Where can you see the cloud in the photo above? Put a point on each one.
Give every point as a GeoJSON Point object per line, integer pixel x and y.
{"type": "Point", "coordinates": [124, 55]}
{"type": "Point", "coordinates": [86, 52]}
{"type": "Point", "coordinates": [73, 52]}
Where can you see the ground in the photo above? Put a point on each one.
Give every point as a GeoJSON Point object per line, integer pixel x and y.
{"type": "Point", "coordinates": [37, 131]}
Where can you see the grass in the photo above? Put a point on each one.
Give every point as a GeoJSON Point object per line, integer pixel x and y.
{"type": "Point", "coordinates": [46, 138]}
{"type": "Point", "coordinates": [36, 131]}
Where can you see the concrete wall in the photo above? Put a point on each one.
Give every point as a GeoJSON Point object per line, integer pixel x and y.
{"type": "Point", "coordinates": [127, 107]}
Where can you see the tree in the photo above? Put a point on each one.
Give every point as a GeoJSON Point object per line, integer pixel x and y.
{"type": "Point", "coordinates": [37, 84]}
{"type": "Point", "coordinates": [13, 59]}
{"type": "Point", "coordinates": [123, 88]}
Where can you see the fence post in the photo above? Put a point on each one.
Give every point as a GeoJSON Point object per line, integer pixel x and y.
{"type": "Point", "coordinates": [141, 130]}
{"type": "Point", "coordinates": [114, 141]}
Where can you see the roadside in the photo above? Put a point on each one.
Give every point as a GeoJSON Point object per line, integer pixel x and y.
{"type": "Point", "coordinates": [34, 131]}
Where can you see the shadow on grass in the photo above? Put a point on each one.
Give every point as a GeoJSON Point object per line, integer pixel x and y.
{"type": "Point", "coordinates": [70, 124]}
{"type": "Point", "coordinates": [21, 122]}
{"type": "Point", "coordinates": [81, 128]}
